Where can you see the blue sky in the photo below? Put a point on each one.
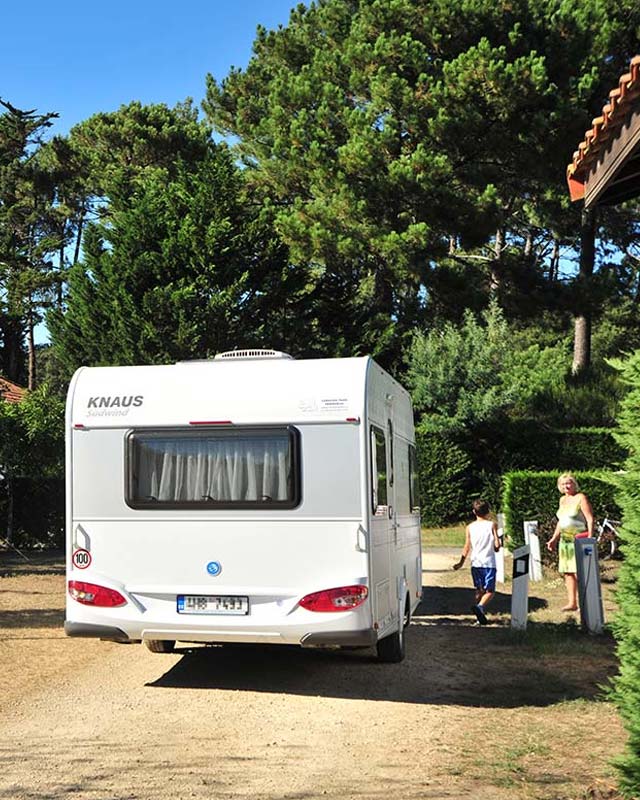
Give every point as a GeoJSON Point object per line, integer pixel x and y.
{"type": "Point", "coordinates": [80, 58]}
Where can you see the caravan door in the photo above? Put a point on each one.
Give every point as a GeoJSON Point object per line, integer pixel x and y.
{"type": "Point", "coordinates": [383, 529]}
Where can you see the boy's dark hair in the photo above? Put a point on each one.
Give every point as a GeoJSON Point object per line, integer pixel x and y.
{"type": "Point", "coordinates": [480, 508]}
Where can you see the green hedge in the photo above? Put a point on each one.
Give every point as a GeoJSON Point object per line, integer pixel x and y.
{"type": "Point", "coordinates": [528, 445]}
{"type": "Point", "coordinates": [455, 468]}
{"type": "Point", "coordinates": [38, 512]}
{"type": "Point", "coordinates": [534, 495]}
{"type": "Point", "coordinates": [587, 449]}
{"type": "Point", "coordinates": [443, 468]}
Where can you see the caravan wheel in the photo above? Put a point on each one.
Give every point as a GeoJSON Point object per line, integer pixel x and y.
{"type": "Point", "coordinates": [391, 649]}
{"type": "Point", "coordinates": [160, 645]}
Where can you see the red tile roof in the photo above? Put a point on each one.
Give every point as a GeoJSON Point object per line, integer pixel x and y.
{"type": "Point", "coordinates": [604, 127]}
{"type": "Point", "coordinates": [11, 391]}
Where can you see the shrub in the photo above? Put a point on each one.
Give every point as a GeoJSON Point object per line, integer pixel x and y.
{"type": "Point", "coordinates": [38, 512]}
{"type": "Point", "coordinates": [443, 468]}
{"type": "Point", "coordinates": [588, 449]}
{"type": "Point", "coordinates": [31, 459]}
{"type": "Point", "coordinates": [534, 495]}
{"type": "Point", "coordinates": [531, 445]}
{"type": "Point", "coordinates": [626, 688]}
{"type": "Point", "coordinates": [470, 374]}
{"type": "Point", "coordinates": [455, 467]}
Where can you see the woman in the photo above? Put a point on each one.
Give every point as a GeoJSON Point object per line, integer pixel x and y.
{"type": "Point", "coordinates": [575, 517]}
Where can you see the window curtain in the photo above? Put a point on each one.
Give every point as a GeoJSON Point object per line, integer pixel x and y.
{"type": "Point", "coordinates": [218, 470]}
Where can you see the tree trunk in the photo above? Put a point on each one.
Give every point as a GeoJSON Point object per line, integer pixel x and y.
{"type": "Point", "coordinates": [496, 263]}
{"type": "Point", "coordinates": [582, 330]}
{"type": "Point", "coordinates": [555, 260]}
{"type": "Point", "coordinates": [76, 252]}
{"type": "Point", "coordinates": [31, 350]}
{"type": "Point", "coordinates": [528, 245]}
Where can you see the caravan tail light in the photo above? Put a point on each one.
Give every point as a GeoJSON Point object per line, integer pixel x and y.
{"type": "Point", "coordinates": [343, 598]}
{"type": "Point", "coordinates": [92, 595]}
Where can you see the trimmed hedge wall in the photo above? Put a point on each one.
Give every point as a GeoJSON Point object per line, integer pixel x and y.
{"type": "Point", "coordinates": [587, 449]}
{"type": "Point", "coordinates": [443, 467]}
{"type": "Point", "coordinates": [534, 495]}
{"type": "Point", "coordinates": [456, 468]}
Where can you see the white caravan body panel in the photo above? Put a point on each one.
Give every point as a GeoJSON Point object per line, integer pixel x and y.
{"type": "Point", "coordinates": [130, 530]}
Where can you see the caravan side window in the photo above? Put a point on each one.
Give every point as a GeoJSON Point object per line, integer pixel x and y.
{"type": "Point", "coordinates": [378, 470]}
{"type": "Point", "coordinates": [403, 485]}
{"type": "Point", "coordinates": [413, 481]}
{"type": "Point", "coordinates": [224, 468]}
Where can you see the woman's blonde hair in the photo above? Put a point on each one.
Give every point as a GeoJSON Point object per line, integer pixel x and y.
{"type": "Point", "coordinates": [567, 476]}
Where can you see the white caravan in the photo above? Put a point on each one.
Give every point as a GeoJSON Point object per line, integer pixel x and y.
{"type": "Point", "coordinates": [249, 498]}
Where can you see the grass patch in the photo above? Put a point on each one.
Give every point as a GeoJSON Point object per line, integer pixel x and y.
{"type": "Point", "coordinates": [452, 536]}
{"type": "Point", "coordinates": [565, 639]}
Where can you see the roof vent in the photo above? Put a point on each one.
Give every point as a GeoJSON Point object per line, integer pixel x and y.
{"type": "Point", "coordinates": [250, 354]}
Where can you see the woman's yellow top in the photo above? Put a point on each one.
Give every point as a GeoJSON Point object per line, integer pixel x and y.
{"type": "Point", "coordinates": [571, 519]}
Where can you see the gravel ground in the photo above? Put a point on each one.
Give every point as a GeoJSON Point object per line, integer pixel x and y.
{"type": "Point", "coordinates": [472, 712]}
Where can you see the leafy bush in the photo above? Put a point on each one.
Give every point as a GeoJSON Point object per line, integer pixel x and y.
{"type": "Point", "coordinates": [626, 690]}
{"type": "Point", "coordinates": [494, 398]}
{"type": "Point", "coordinates": [534, 495]}
{"type": "Point", "coordinates": [31, 465]}
{"type": "Point", "coordinates": [469, 375]}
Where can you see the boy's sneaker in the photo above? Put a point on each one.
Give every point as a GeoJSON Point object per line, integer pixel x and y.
{"type": "Point", "coordinates": [480, 615]}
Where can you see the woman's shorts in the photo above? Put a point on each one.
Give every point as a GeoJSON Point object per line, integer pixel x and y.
{"type": "Point", "coordinates": [484, 578]}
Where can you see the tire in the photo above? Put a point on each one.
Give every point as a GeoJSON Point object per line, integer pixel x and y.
{"type": "Point", "coordinates": [160, 645]}
{"type": "Point", "coordinates": [392, 649]}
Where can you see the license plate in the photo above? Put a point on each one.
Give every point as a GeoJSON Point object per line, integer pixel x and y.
{"type": "Point", "coordinates": [212, 604]}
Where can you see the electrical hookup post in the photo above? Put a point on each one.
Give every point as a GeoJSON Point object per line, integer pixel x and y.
{"type": "Point", "coordinates": [533, 540]}
{"type": "Point", "coordinates": [589, 590]}
{"type": "Point", "coordinates": [520, 588]}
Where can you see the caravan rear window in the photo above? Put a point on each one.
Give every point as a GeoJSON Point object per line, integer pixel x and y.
{"type": "Point", "coordinates": [226, 468]}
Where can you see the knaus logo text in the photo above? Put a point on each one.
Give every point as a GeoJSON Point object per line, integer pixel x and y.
{"type": "Point", "coordinates": [113, 406]}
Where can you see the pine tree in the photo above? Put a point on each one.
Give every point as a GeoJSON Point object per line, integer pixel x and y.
{"type": "Point", "coordinates": [28, 235]}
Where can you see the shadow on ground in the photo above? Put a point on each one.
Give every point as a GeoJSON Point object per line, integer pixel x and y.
{"type": "Point", "coordinates": [451, 664]}
{"type": "Point", "coordinates": [49, 562]}
{"type": "Point", "coordinates": [32, 618]}
{"type": "Point", "coordinates": [452, 605]}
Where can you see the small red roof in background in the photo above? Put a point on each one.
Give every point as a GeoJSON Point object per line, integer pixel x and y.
{"type": "Point", "coordinates": [11, 391]}
{"type": "Point", "coordinates": [603, 128]}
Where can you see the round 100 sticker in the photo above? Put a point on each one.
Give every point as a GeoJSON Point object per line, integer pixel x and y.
{"type": "Point", "coordinates": [81, 558]}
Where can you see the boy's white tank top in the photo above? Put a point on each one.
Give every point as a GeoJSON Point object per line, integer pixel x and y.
{"type": "Point", "coordinates": [482, 552]}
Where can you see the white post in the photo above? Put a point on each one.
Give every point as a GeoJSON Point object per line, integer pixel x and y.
{"type": "Point", "coordinates": [500, 553]}
{"type": "Point", "coordinates": [520, 588]}
{"type": "Point", "coordinates": [532, 539]}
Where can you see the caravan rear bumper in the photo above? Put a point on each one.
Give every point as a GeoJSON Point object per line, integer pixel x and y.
{"type": "Point", "coordinates": [364, 638]}
{"type": "Point", "coordinates": [88, 630]}
{"type": "Point", "coordinates": [327, 638]}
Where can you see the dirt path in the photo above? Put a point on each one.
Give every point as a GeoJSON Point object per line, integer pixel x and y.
{"type": "Point", "coordinates": [95, 720]}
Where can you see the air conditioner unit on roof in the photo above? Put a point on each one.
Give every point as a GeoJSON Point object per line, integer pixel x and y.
{"type": "Point", "coordinates": [249, 354]}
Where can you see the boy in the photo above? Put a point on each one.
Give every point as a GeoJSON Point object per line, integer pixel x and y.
{"type": "Point", "coordinates": [483, 543]}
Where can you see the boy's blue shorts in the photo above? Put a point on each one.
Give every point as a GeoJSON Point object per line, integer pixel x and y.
{"type": "Point", "coordinates": [484, 578]}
